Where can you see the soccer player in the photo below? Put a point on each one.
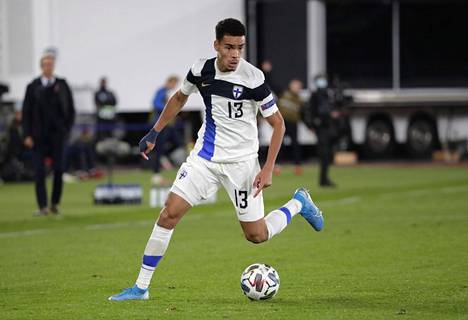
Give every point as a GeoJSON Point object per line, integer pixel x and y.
{"type": "Point", "coordinates": [226, 152]}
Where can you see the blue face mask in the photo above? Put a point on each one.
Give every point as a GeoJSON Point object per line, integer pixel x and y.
{"type": "Point", "coordinates": [321, 83]}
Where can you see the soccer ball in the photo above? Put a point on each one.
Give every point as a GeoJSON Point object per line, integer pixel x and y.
{"type": "Point", "coordinates": [260, 282]}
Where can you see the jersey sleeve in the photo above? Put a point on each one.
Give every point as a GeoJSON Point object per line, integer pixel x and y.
{"type": "Point", "coordinates": [265, 101]}
{"type": "Point", "coordinates": [189, 85]}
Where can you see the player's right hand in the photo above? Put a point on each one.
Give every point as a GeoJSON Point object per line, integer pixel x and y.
{"type": "Point", "coordinates": [147, 143]}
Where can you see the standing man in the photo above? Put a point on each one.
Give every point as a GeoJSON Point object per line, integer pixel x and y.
{"type": "Point", "coordinates": [225, 153]}
{"type": "Point", "coordinates": [323, 115]}
{"type": "Point", "coordinates": [48, 116]}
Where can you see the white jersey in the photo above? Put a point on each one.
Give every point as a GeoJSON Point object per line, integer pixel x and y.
{"type": "Point", "coordinates": [232, 100]}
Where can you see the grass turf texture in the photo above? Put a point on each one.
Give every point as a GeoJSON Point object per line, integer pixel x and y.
{"type": "Point", "coordinates": [395, 245]}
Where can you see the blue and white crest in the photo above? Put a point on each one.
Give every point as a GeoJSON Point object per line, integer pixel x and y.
{"type": "Point", "coordinates": [237, 91]}
{"type": "Point", "coordinates": [182, 174]}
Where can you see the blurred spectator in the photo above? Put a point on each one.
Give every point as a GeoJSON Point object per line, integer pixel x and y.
{"type": "Point", "coordinates": [3, 89]}
{"type": "Point", "coordinates": [105, 102]}
{"type": "Point", "coordinates": [341, 122]}
{"type": "Point", "coordinates": [80, 157]}
{"type": "Point", "coordinates": [171, 137]}
{"type": "Point", "coordinates": [17, 163]}
{"type": "Point", "coordinates": [290, 105]}
{"type": "Point", "coordinates": [48, 116]}
{"type": "Point", "coordinates": [319, 117]}
{"type": "Point", "coordinates": [267, 68]}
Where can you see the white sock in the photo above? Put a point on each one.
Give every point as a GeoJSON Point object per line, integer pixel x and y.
{"type": "Point", "coordinates": [278, 219]}
{"type": "Point", "coordinates": [154, 251]}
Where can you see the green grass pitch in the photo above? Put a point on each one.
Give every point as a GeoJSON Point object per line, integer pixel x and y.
{"type": "Point", "coordinates": [395, 246]}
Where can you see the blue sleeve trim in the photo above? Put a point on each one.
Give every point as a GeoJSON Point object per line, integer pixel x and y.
{"type": "Point", "coordinates": [268, 105]}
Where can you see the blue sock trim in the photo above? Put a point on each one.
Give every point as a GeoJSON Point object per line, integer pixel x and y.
{"type": "Point", "coordinates": [151, 261]}
{"type": "Point", "coordinates": [287, 213]}
{"type": "Point", "coordinates": [146, 267]}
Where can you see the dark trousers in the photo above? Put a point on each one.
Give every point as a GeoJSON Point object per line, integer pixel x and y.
{"type": "Point", "coordinates": [168, 139]}
{"type": "Point", "coordinates": [325, 152]}
{"type": "Point", "coordinates": [53, 146]}
{"type": "Point", "coordinates": [79, 156]}
{"type": "Point", "coordinates": [291, 132]}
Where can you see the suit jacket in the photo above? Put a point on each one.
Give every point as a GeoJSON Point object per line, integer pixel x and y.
{"type": "Point", "coordinates": [48, 110]}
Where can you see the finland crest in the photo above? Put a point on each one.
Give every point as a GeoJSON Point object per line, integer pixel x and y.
{"type": "Point", "coordinates": [237, 91]}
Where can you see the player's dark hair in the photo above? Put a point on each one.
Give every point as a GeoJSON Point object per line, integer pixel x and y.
{"type": "Point", "coordinates": [231, 27]}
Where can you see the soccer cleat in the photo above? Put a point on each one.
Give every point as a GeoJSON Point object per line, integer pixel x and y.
{"type": "Point", "coordinates": [133, 293]}
{"type": "Point", "coordinates": [309, 210]}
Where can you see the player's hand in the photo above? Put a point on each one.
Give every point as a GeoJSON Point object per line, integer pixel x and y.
{"type": "Point", "coordinates": [263, 180]}
{"type": "Point", "coordinates": [29, 142]}
{"type": "Point", "coordinates": [147, 143]}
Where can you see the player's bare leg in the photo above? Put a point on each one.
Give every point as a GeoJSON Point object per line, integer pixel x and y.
{"type": "Point", "coordinates": [276, 221]}
{"type": "Point", "coordinates": [255, 231]}
{"type": "Point", "coordinates": [174, 209]}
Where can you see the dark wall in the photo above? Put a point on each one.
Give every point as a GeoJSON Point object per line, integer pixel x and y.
{"type": "Point", "coordinates": [433, 49]}
{"type": "Point", "coordinates": [359, 43]}
{"type": "Point", "coordinates": [434, 46]}
{"type": "Point", "coordinates": [282, 39]}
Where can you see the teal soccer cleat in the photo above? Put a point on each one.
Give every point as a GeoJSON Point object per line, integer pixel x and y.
{"type": "Point", "coordinates": [133, 293]}
{"type": "Point", "coordinates": [309, 210]}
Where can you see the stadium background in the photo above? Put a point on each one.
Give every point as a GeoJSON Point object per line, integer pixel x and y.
{"type": "Point", "coordinates": [395, 244]}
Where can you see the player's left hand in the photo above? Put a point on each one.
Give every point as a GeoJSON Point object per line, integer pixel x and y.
{"type": "Point", "coordinates": [263, 180]}
{"type": "Point", "coordinates": [147, 143]}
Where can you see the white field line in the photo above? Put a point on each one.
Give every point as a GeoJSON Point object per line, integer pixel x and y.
{"type": "Point", "coordinates": [423, 192]}
{"type": "Point", "coordinates": [454, 189]}
{"type": "Point", "coordinates": [339, 202]}
{"type": "Point", "coordinates": [91, 227]}
{"type": "Point", "coordinates": [24, 233]}
{"type": "Point", "coordinates": [101, 226]}
{"type": "Point", "coordinates": [114, 225]}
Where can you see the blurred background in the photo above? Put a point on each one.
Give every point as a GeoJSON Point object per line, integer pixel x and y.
{"type": "Point", "coordinates": [377, 89]}
{"type": "Point", "coordinates": [395, 71]}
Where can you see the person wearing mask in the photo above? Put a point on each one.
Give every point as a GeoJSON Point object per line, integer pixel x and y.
{"type": "Point", "coordinates": [48, 116]}
{"type": "Point", "coordinates": [321, 120]}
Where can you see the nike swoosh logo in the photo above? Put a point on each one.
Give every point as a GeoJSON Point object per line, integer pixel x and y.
{"type": "Point", "coordinates": [205, 84]}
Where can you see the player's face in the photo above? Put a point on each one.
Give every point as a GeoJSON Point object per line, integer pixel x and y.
{"type": "Point", "coordinates": [229, 50]}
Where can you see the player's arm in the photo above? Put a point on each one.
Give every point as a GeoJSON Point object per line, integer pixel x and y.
{"type": "Point", "coordinates": [170, 111]}
{"type": "Point", "coordinates": [265, 176]}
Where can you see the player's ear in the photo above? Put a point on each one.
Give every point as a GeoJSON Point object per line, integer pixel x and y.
{"type": "Point", "coordinates": [216, 45]}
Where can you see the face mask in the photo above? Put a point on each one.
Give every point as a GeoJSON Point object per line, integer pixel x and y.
{"type": "Point", "coordinates": [321, 83]}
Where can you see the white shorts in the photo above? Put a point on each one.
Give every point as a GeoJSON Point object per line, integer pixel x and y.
{"type": "Point", "coordinates": [198, 179]}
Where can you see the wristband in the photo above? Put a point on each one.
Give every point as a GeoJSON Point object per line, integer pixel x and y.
{"type": "Point", "coordinates": [149, 137]}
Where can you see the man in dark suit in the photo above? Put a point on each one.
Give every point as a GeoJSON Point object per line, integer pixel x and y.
{"type": "Point", "coordinates": [48, 115]}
